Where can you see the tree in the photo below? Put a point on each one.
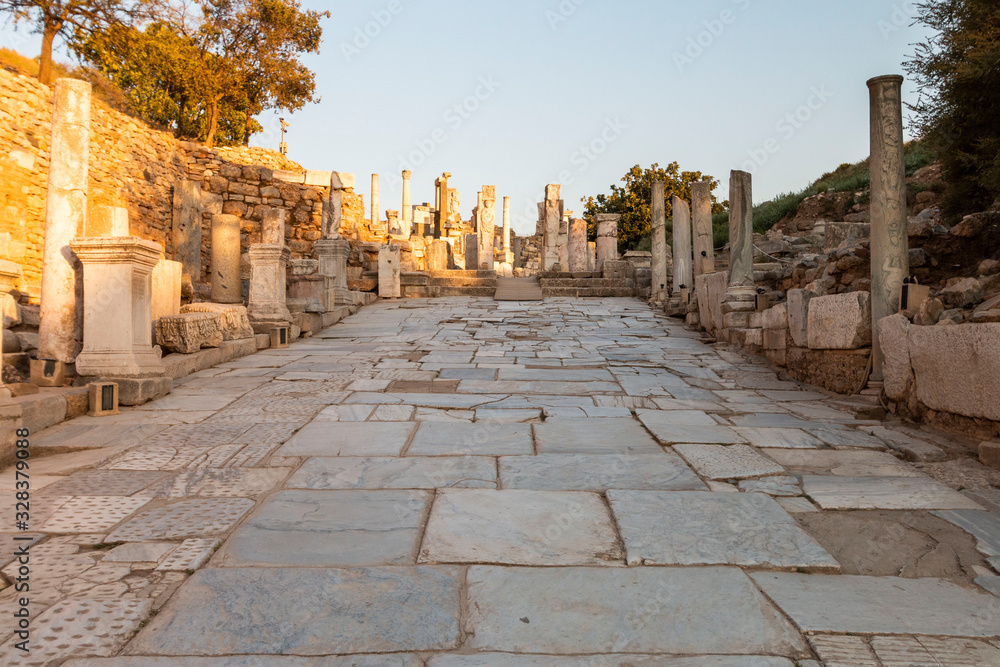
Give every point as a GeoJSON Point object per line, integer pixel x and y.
{"type": "Point", "coordinates": [633, 201]}
{"type": "Point", "coordinates": [958, 73]}
{"type": "Point", "coordinates": [52, 18]}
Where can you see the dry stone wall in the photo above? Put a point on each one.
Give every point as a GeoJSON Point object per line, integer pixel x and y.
{"type": "Point", "coordinates": [137, 167]}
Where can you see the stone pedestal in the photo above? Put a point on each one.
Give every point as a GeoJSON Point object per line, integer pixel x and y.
{"type": "Point", "coordinates": [607, 239]}
{"type": "Point", "coordinates": [889, 226]}
{"type": "Point", "coordinates": [704, 243]}
{"type": "Point", "coordinates": [578, 249]}
{"type": "Point", "coordinates": [65, 216]}
{"type": "Point", "coordinates": [117, 287]}
{"type": "Point", "coordinates": [389, 286]}
{"type": "Point", "coordinates": [226, 286]}
{"type": "Point", "coordinates": [332, 255]}
{"type": "Point", "coordinates": [268, 287]}
{"type": "Point", "coordinates": [167, 276]}
{"type": "Point", "coordinates": [407, 212]}
{"type": "Point", "coordinates": [437, 255]}
{"type": "Point", "coordinates": [683, 276]}
{"type": "Point", "coordinates": [487, 227]}
{"type": "Point", "coordinates": [659, 230]}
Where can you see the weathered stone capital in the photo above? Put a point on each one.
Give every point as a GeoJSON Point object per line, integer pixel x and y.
{"type": "Point", "coordinates": [117, 250]}
{"type": "Point", "coordinates": [264, 252]}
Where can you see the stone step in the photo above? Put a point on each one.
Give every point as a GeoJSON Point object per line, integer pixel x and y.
{"type": "Point", "coordinates": [518, 289]}
{"type": "Point", "coordinates": [585, 292]}
{"type": "Point", "coordinates": [463, 282]}
{"type": "Point", "coordinates": [584, 282]}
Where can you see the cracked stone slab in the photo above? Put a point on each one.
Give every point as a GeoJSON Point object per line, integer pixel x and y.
{"type": "Point", "coordinates": [138, 552]}
{"type": "Point", "coordinates": [842, 463]}
{"type": "Point", "coordinates": [884, 493]}
{"type": "Point", "coordinates": [594, 436]}
{"type": "Point", "coordinates": [670, 432]}
{"type": "Point", "coordinates": [92, 514]}
{"type": "Point", "coordinates": [187, 518]}
{"type": "Point", "coordinates": [596, 472]}
{"type": "Point", "coordinates": [396, 473]}
{"type": "Point", "coordinates": [331, 528]}
{"type": "Point", "coordinates": [881, 605]}
{"type": "Point", "coordinates": [734, 462]}
{"type": "Point", "coordinates": [79, 626]}
{"type": "Point", "coordinates": [520, 528]}
{"type": "Point", "coordinates": [608, 660]}
{"type": "Point", "coordinates": [909, 651]}
{"type": "Point", "coordinates": [700, 528]}
{"type": "Point", "coordinates": [104, 483]}
{"type": "Point", "coordinates": [778, 438]}
{"type": "Point", "coordinates": [229, 611]}
{"type": "Point", "coordinates": [844, 650]}
{"type": "Point", "coordinates": [189, 555]}
{"type": "Point", "coordinates": [349, 439]}
{"type": "Point", "coordinates": [677, 611]}
{"type": "Point", "coordinates": [462, 439]}
{"type": "Point", "coordinates": [226, 482]}
{"type": "Point", "coordinates": [984, 526]}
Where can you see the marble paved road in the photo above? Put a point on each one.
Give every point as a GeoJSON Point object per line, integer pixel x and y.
{"type": "Point", "coordinates": [461, 482]}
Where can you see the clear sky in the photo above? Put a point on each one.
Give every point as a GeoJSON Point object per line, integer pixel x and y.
{"type": "Point", "coordinates": [521, 93]}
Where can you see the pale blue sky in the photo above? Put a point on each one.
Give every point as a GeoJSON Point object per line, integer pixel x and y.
{"type": "Point", "coordinates": [512, 93]}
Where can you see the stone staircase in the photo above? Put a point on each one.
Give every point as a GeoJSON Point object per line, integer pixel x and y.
{"type": "Point", "coordinates": [566, 284]}
{"type": "Point", "coordinates": [518, 289]}
{"type": "Point", "coordinates": [430, 284]}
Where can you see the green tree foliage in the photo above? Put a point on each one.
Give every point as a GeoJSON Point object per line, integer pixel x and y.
{"type": "Point", "coordinates": [958, 72]}
{"type": "Point", "coordinates": [208, 74]}
{"type": "Point", "coordinates": [633, 200]}
{"type": "Point", "coordinates": [52, 18]}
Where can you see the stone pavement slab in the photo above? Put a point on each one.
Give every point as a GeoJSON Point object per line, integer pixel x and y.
{"type": "Point", "coordinates": [881, 605]}
{"type": "Point", "coordinates": [331, 528]}
{"type": "Point", "coordinates": [669, 432]}
{"type": "Point", "coordinates": [596, 472]}
{"type": "Point", "coordinates": [289, 611]}
{"type": "Point", "coordinates": [685, 528]}
{"type": "Point", "coordinates": [186, 518]}
{"type": "Point", "coordinates": [842, 463]}
{"type": "Point", "coordinates": [733, 462]}
{"type": "Point", "coordinates": [460, 439]}
{"type": "Point", "coordinates": [349, 439]}
{"type": "Point", "coordinates": [226, 482]}
{"type": "Point", "coordinates": [984, 526]}
{"type": "Point", "coordinates": [885, 493]}
{"type": "Point", "coordinates": [479, 472]}
{"type": "Point", "coordinates": [104, 483]}
{"type": "Point", "coordinates": [520, 528]}
{"type": "Point", "coordinates": [92, 514]}
{"type": "Point", "coordinates": [685, 611]}
{"type": "Point", "coordinates": [385, 660]}
{"type": "Point", "coordinates": [610, 660]}
{"type": "Point", "coordinates": [594, 436]}
{"type": "Point", "coordinates": [781, 438]}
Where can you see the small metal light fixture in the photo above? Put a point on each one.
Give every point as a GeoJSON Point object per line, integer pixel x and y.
{"type": "Point", "coordinates": [280, 337]}
{"type": "Point", "coordinates": [283, 146]}
{"type": "Point", "coordinates": [103, 399]}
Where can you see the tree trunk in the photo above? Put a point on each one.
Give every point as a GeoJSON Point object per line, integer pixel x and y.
{"type": "Point", "coordinates": [246, 131]}
{"type": "Point", "coordinates": [213, 122]}
{"type": "Point", "coordinates": [49, 32]}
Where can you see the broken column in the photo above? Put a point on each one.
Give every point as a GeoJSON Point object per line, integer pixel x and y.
{"type": "Point", "coordinates": [389, 272]}
{"type": "Point", "coordinates": [704, 238]}
{"type": "Point", "coordinates": [487, 229]}
{"type": "Point", "coordinates": [443, 205]}
{"type": "Point", "coordinates": [889, 228]}
{"type": "Point", "coordinates": [226, 285]}
{"type": "Point", "coordinates": [607, 239]}
{"type": "Point", "coordinates": [65, 216]}
{"type": "Point", "coordinates": [508, 255]}
{"type": "Point", "coordinates": [407, 212]}
{"type": "Point", "coordinates": [187, 217]}
{"type": "Point", "coordinates": [659, 231]}
{"type": "Point", "coordinates": [268, 275]}
{"type": "Point", "coordinates": [578, 249]}
{"type": "Point", "coordinates": [740, 299]}
{"type": "Point", "coordinates": [117, 288]}
{"type": "Point", "coordinates": [683, 278]}
{"type": "Point", "coordinates": [376, 211]}
{"type": "Point", "coordinates": [552, 210]}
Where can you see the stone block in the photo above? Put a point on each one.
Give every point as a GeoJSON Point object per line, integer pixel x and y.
{"type": "Point", "coordinates": [139, 391]}
{"type": "Point", "coordinates": [389, 272]}
{"type": "Point", "coordinates": [840, 321]}
{"type": "Point", "coordinates": [166, 293]}
{"type": "Point", "coordinates": [235, 321]}
{"type": "Point", "coordinates": [989, 454]}
{"type": "Point", "coordinates": [189, 332]}
{"type": "Point", "coordinates": [776, 317]}
{"type": "Point", "coordinates": [341, 180]}
{"type": "Point", "coordinates": [775, 339]}
{"type": "Point", "coordinates": [840, 371]}
{"type": "Point", "coordinates": [798, 315]}
{"type": "Point", "coordinates": [893, 333]}
{"type": "Point", "coordinates": [955, 368]}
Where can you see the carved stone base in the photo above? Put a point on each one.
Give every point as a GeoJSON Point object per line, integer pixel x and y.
{"type": "Point", "coordinates": [189, 332]}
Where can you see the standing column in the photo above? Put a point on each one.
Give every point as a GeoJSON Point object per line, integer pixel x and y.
{"type": "Point", "coordinates": [487, 217]}
{"type": "Point", "coordinates": [407, 225]}
{"type": "Point", "coordinates": [890, 245]}
{"type": "Point", "coordinates": [578, 249]}
{"type": "Point", "coordinates": [65, 215]}
{"type": "Point", "coordinates": [444, 214]}
{"type": "Point", "coordinates": [740, 298]}
{"type": "Point", "coordinates": [659, 229]}
{"type": "Point", "coordinates": [376, 212]}
{"type": "Point", "coordinates": [226, 285]}
{"type": "Point", "coordinates": [607, 239]}
{"type": "Point", "coordinates": [553, 211]}
{"type": "Point", "coordinates": [704, 244]}
{"type": "Point", "coordinates": [683, 279]}
{"type": "Point", "coordinates": [508, 257]}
